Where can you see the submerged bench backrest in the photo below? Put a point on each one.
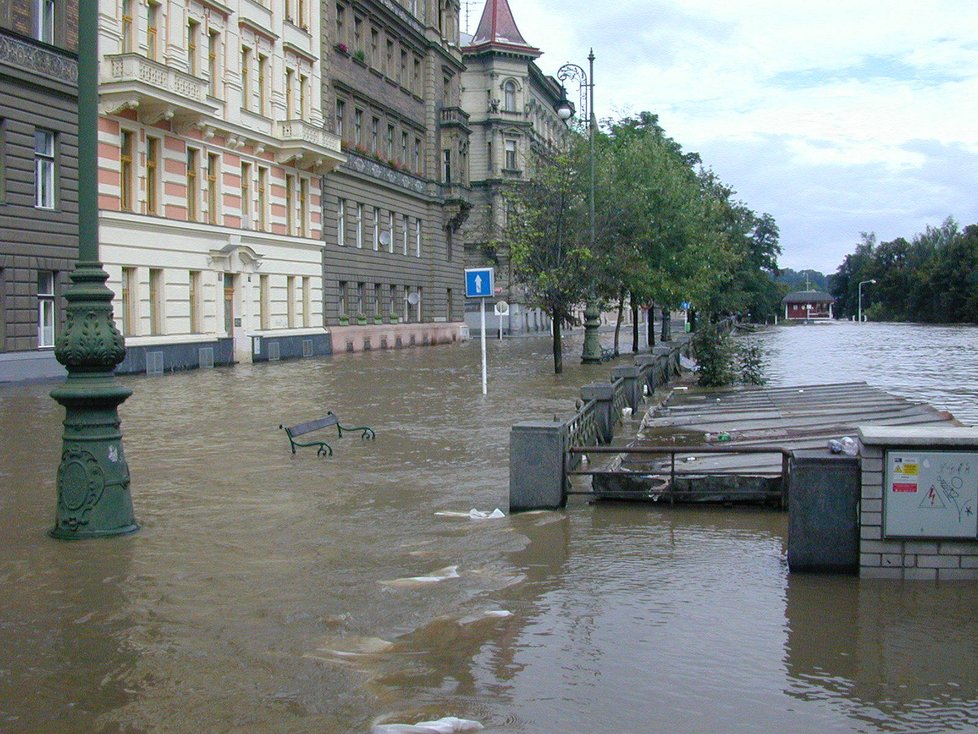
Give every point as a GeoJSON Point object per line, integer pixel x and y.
{"type": "Point", "coordinates": [301, 428]}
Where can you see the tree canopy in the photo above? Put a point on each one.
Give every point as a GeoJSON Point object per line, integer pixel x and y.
{"type": "Point", "coordinates": [666, 230]}
{"type": "Point", "coordinates": [933, 278]}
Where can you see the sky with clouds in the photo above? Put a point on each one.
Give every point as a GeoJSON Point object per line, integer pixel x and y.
{"type": "Point", "coordinates": [836, 117]}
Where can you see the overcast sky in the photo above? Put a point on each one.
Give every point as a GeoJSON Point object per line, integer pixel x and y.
{"type": "Point", "coordinates": [836, 116]}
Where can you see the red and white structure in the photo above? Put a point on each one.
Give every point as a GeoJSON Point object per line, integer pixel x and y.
{"type": "Point", "coordinates": [808, 306]}
{"type": "Point", "coordinates": [211, 151]}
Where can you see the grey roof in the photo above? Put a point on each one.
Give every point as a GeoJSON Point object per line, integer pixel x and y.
{"type": "Point", "coordinates": [808, 297]}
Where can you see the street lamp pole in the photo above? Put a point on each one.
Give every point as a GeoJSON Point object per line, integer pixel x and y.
{"type": "Point", "coordinates": [585, 81]}
{"type": "Point", "coordinates": [93, 477]}
{"type": "Point", "coordinates": [861, 284]}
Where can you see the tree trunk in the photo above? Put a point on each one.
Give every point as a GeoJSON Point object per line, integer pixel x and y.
{"type": "Point", "coordinates": [666, 333]}
{"type": "Point", "coordinates": [692, 320]}
{"type": "Point", "coordinates": [621, 311]}
{"type": "Point", "coordinates": [651, 325]}
{"type": "Point", "coordinates": [634, 325]}
{"type": "Point", "coordinates": [558, 356]}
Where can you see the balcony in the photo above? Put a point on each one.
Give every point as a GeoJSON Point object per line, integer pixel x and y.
{"type": "Point", "coordinates": [155, 91]}
{"type": "Point", "coordinates": [454, 117]}
{"type": "Point", "coordinates": [307, 145]}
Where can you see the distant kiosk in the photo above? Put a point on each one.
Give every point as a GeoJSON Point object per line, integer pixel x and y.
{"type": "Point", "coordinates": [808, 306]}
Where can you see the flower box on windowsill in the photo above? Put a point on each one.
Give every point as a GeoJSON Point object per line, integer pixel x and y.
{"type": "Point", "coordinates": [361, 319]}
{"type": "Point", "coordinates": [341, 48]}
{"type": "Point", "coordinates": [378, 319]}
{"type": "Point", "coordinates": [344, 320]}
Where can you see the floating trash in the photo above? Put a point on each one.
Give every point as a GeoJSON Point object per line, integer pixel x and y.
{"type": "Point", "coordinates": [473, 514]}
{"type": "Point", "coordinates": [442, 574]}
{"type": "Point", "coordinates": [446, 725]}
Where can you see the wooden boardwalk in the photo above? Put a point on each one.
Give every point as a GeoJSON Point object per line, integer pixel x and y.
{"type": "Point", "coordinates": [802, 417]}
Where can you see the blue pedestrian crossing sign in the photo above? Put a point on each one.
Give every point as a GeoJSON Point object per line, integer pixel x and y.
{"type": "Point", "coordinates": [479, 283]}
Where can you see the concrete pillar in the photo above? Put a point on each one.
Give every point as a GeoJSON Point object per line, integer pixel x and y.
{"type": "Point", "coordinates": [603, 394]}
{"type": "Point", "coordinates": [536, 466]}
{"type": "Point", "coordinates": [647, 364]}
{"type": "Point", "coordinates": [633, 388]}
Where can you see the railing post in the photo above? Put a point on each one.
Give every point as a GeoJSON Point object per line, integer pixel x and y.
{"type": "Point", "coordinates": [536, 466]}
{"type": "Point", "coordinates": [603, 394]}
{"type": "Point", "coordinates": [647, 364]}
{"type": "Point", "coordinates": [633, 389]}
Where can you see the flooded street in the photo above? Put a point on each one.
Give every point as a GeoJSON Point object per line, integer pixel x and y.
{"type": "Point", "coordinates": [272, 593]}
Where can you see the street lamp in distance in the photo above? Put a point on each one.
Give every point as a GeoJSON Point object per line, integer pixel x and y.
{"type": "Point", "coordinates": [861, 284]}
{"type": "Point", "coordinates": [565, 110]}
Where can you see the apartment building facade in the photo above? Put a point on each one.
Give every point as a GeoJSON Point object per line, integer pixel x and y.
{"type": "Point", "coordinates": [212, 149]}
{"type": "Point", "coordinates": [512, 106]}
{"type": "Point", "coordinates": [38, 181]}
{"type": "Point", "coordinates": [394, 208]}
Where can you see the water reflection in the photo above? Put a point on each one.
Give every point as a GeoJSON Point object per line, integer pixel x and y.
{"type": "Point", "coordinates": [895, 655]}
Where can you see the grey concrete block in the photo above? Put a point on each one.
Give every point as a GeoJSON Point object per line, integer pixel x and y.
{"type": "Point", "coordinates": [957, 574]}
{"type": "Point", "coordinates": [920, 547]}
{"type": "Point", "coordinates": [536, 466]}
{"type": "Point", "coordinates": [920, 574]}
{"type": "Point", "coordinates": [958, 547]}
{"type": "Point", "coordinates": [871, 532]}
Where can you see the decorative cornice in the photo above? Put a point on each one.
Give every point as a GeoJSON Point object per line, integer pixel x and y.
{"type": "Point", "coordinates": [403, 15]}
{"type": "Point", "coordinates": [359, 164]}
{"type": "Point", "coordinates": [38, 60]}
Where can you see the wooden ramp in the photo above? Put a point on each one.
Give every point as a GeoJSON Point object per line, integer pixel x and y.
{"type": "Point", "coordinates": [801, 417]}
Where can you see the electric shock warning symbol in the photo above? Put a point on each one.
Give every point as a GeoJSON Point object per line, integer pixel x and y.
{"type": "Point", "coordinates": [932, 500]}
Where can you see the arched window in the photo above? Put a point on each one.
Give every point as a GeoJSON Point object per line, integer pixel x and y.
{"type": "Point", "coordinates": [509, 96]}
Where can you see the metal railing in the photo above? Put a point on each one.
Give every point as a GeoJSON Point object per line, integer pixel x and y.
{"type": "Point", "coordinates": [620, 399]}
{"type": "Point", "coordinates": [581, 431]}
{"type": "Point", "coordinates": [574, 460]}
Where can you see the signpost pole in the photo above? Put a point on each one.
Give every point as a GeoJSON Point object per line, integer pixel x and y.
{"type": "Point", "coordinates": [485, 379]}
{"type": "Point", "coordinates": [480, 283]}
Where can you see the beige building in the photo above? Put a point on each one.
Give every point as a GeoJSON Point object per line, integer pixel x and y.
{"type": "Point", "coordinates": [512, 114]}
{"type": "Point", "coordinates": [212, 148]}
{"type": "Point", "coordinates": [392, 271]}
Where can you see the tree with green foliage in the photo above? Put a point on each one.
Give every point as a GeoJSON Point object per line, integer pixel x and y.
{"type": "Point", "coordinates": [931, 279]}
{"type": "Point", "coordinates": [548, 233]}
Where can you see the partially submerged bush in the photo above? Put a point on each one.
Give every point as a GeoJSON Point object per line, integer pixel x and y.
{"type": "Point", "coordinates": [720, 363]}
{"type": "Point", "coordinates": [714, 357]}
{"type": "Point", "coordinates": [752, 364]}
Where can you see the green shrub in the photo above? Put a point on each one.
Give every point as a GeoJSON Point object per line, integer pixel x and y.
{"type": "Point", "coordinates": [714, 357]}
{"type": "Point", "coordinates": [752, 364]}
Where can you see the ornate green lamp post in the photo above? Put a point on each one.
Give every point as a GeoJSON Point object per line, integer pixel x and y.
{"type": "Point", "coordinates": [93, 478]}
{"type": "Point", "coordinates": [585, 81]}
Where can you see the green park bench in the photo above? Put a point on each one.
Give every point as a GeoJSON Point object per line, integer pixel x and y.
{"type": "Point", "coordinates": [330, 419]}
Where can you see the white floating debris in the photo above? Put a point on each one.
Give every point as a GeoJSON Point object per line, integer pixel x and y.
{"type": "Point", "coordinates": [488, 614]}
{"type": "Point", "coordinates": [446, 725]}
{"type": "Point", "coordinates": [473, 514]}
{"type": "Point", "coordinates": [480, 515]}
{"type": "Point", "coordinates": [442, 574]}
{"type": "Point", "coordinates": [626, 412]}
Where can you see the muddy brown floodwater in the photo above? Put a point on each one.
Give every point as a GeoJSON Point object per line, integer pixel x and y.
{"type": "Point", "coordinates": [272, 593]}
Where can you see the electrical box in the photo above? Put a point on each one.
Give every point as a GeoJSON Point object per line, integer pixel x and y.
{"type": "Point", "coordinates": [930, 494]}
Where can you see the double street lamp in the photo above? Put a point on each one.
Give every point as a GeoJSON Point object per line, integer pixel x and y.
{"type": "Point", "coordinates": [565, 110]}
{"type": "Point", "coordinates": [861, 284]}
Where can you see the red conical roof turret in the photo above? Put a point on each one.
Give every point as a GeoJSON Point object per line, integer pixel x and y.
{"type": "Point", "coordinates": [498, 28]}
